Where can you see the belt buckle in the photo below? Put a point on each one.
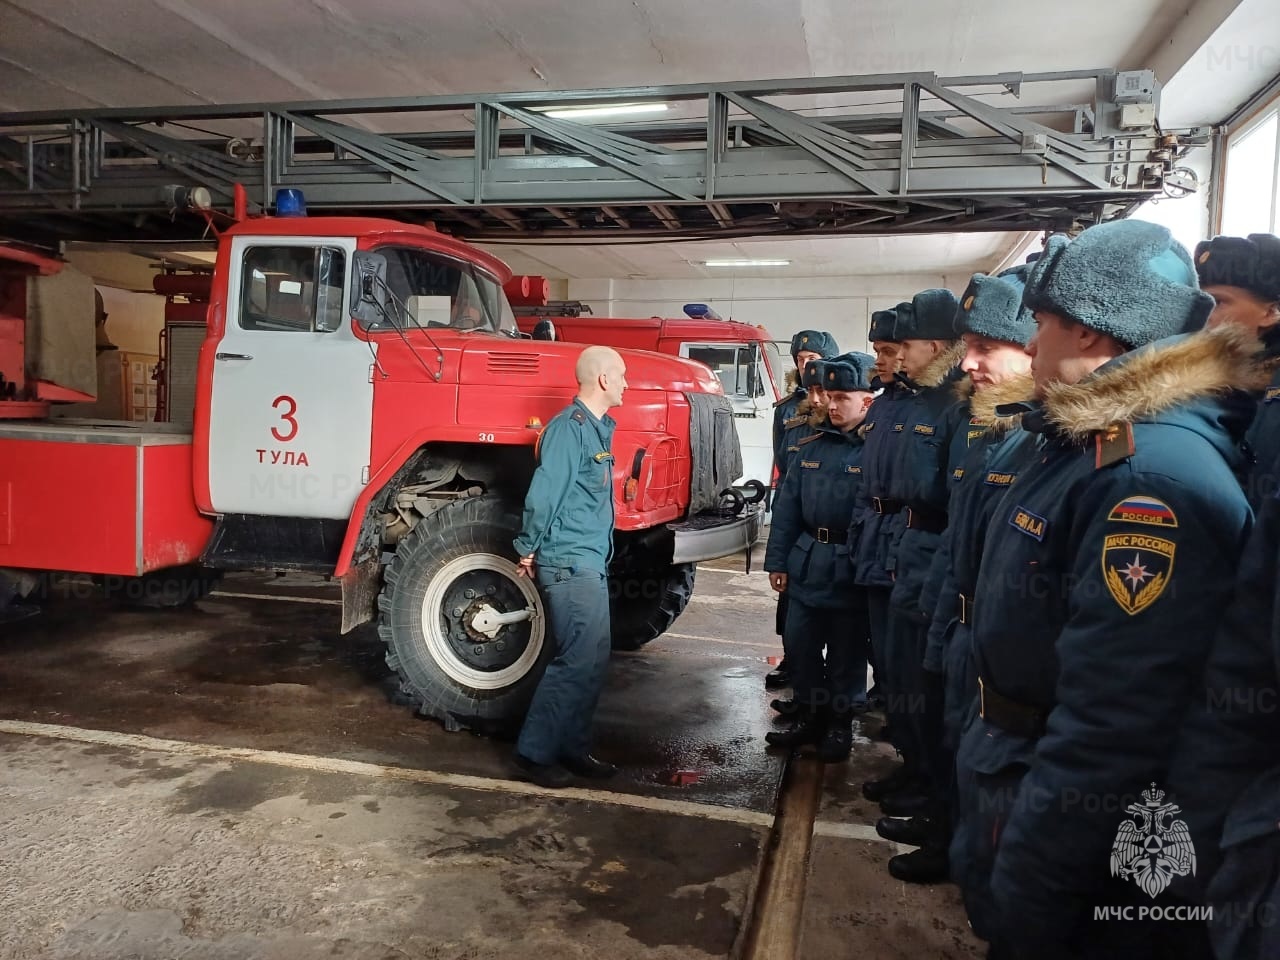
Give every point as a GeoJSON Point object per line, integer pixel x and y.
{"type": "Point", "coordinates": [982, 700]}
{"type": "Point", "coordinates": [910, 516]}
{"type": "Point", "coordinates": [965, 612]}
{"type": "Point", "coordinates": [877, 504]}
{"type": "Point", "coordinates": [824, 535]}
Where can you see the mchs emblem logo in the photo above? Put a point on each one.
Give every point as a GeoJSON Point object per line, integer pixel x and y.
{"type": "Point", "coordinates": [1153, 848]}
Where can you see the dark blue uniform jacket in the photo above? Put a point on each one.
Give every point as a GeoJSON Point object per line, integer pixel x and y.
{"type": "Point", "coordinates": [882, 430]}
{"type": "Point", "coordinates": [924, 461]}
{"type": "Point", "coordinates": [995, 450]}
{"type": "Point", "coordinates": [1105, 570]}
{"type": "Point", "coordinates": [820, 494]}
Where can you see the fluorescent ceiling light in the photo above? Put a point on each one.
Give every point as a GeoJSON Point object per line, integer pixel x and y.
{"type": "Point", "coordinates": [746, 263]}
{"type": "Point", "coordinates": [573, 113]}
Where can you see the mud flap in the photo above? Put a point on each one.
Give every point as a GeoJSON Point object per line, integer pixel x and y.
{"type": "Point", "coordinates": [360, 587]}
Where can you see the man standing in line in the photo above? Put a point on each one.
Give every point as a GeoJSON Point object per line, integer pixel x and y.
{"type": "Point", "coordinates": [913, 505]}
{"type": "Point", "coordinates": [989, 450]}
{"type": "Point", "coordinates": [566, 541]}
{"type": "Point", "coordinates": [788, 417]}
{"type": "Point", "coordinates": [808, 557]}
{"type": "Point", "coordinates": [1104, 574]}
{"type": "Point", "coordinates": [1242, 274]}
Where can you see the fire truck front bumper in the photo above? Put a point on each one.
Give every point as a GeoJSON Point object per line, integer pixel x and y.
{"type": "Point", "coordinates": [712, 534]}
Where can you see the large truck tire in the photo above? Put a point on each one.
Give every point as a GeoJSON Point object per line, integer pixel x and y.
{"type": "Point", "coordinates": [643, 606]}
{"type": "Point", "coordinates": [455, 566]}
{"type": "Point", "coordinates": [166, 589]}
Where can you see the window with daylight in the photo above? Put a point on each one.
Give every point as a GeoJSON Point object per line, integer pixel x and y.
{"type": "Point", "coordinates": [1250, 200]}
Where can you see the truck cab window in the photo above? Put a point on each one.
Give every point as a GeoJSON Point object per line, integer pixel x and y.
{"type": "Point", "coordinates": [431, 290]}
{"type": "Point", "coordinates": [736, 366]}
{"type": "Point", "coordinates": [292, 288]}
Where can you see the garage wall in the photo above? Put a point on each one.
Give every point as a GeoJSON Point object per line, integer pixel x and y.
{"type": "Point", "coordinates": [134, 320]}
{"type": "Point", "coordinates": [842, 305]}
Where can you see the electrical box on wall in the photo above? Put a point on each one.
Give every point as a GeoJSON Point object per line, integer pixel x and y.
{"type": "Point", "coordinates": [1136, 86]}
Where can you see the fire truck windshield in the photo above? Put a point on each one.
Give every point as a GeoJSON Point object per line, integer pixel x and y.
{"type": "Point", "coordinates": [436, 291]}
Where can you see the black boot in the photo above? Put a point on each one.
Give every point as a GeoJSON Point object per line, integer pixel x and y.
{"type": "Point", "coordinates": [926, 865]}
{"type": "Point", "coordinates": [837, 741]}
{"type": "Point", "coordinates": [877, 790]}
{"type": "Point", "coordinates": [779, 676]}
{"type": "Point", "coordinates": [784, 708]}
{"type": "Point", "coordinates": [809, 728]}
{"type": "Point", "coordinates": [915, 832]}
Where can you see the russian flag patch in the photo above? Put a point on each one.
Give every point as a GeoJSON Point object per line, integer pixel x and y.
{"type": "Point", "coordinates": [1148, 510]}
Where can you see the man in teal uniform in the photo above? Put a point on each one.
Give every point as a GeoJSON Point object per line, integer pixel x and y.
{"type": "Point", "coordinates": [1242, 274]}
{"type": "Point", "coordinates": [1104, 573]}
{"type": "Point", "coordinates": [808, 558]}
{"type": "Point", "coordinates": [788, 420]}
{"type": "Point", "coordinates": [566, 541]}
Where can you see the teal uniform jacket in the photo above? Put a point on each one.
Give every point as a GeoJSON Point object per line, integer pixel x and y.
{"type": "Point", "coordinates": [568, 511]}
{"type": "Point", "coordinates": [925, 460]}
{"type": "Point", "coordinates": [1105, 571]}
{"type": "Point", "coordinates": [882, 431]}
{"type": "Point", "coordinates": [820, 493]}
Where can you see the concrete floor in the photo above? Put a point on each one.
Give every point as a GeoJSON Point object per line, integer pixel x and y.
{"type": "Point", "coordinates": [232, 781]}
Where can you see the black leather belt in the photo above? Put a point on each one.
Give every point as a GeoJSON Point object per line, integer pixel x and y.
{"type": "Point", "coordinates": [827, 535]}
{"type": "Point", "coordinates": [1009, 715]}
{"type": "Point", "coordinates": [966, 609]}
{"type": "Point", "coordinates": [885, 505]}
{"type": "Point", "coordinates": [928, 519]}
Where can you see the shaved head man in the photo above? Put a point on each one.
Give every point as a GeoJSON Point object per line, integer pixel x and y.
{"type": "Point", "coordinates": [566, 540]}
{"type": "Point", "coordinates": [602, 379]}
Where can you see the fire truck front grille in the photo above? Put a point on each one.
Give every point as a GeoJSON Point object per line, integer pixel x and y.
{"type": "Point", "coordinates": [717, 457]}
{"type": "Point", "coordinates": [518, 364]}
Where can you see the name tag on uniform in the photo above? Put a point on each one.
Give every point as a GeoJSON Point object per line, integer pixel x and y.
{"type": "Point", "coordinates": [849, 468]}
{"type": "Point", "coordinates": [972, 436]}
{"type": "Point", "coordinates": [811, 464]}
{"type": "Point", "coordinates": [1000, 479]}
{"type": "Point", "coordinates": [603, 456]}
{"type": "Point", "coordinates": [1024, 521]}
{"type": "Point", "coordinates": [925, 429]}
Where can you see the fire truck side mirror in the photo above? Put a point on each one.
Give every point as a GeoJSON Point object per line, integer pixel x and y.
{"type": "Point", "coordinates": [369, 300]}
{"type": "Point", "coordinates": [544, 330]}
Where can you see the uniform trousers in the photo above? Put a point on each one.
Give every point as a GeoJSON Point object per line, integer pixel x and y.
{"type": "Point", "coordinates": [558, 724]}
{"type": "Point", "coordinates": [832, 683]}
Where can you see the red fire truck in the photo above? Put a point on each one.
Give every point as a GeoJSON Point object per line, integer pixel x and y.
{"type": "Point", "coordinates": [367, 408]}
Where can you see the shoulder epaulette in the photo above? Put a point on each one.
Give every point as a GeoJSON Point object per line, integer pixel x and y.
{"type": "Point", "coordinates": [801, 443]}
{"type": "Point", "coordinates": [579, 416]}
{"type": "Point", "coordinates": [793, 422]}
{"type": "Point", "coordinates": [1113, 444]}
{"type": "Point", "coordinates": [781, 402]}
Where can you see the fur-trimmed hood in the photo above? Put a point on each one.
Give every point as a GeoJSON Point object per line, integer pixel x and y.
{"type": "Point", "coordinates": [814, 414]}
{"type": "Point", "coordinates": [1016, 390]}
{"type": "Point", "coordinates": [791, 383]}
{"type": "Point", "coordinates": [939, 369]}
{"type": "Point", "coordinates": [1145, 383]}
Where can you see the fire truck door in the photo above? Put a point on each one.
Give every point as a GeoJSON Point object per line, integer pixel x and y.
{"type": "Point", "coordinates": [292, 405]}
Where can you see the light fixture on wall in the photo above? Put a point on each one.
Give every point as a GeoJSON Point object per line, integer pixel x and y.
{"type": "Point", "coordinates": [607, 110]}
{"type": "Point", "coordinates": [746, 263]}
